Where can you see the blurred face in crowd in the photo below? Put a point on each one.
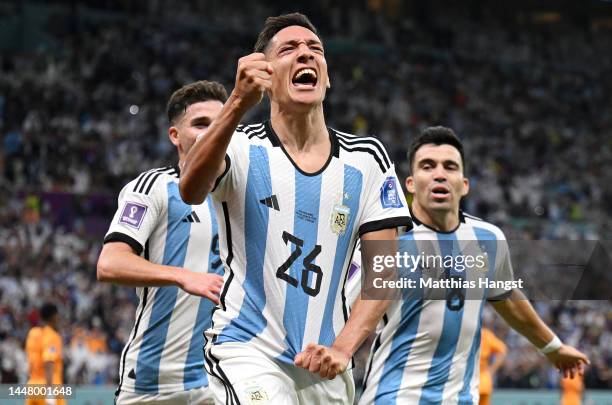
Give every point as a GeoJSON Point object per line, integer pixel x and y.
{"type": "Point", "coordinates": [437, 181]}
{"type": "Point", "coordinates": [195, 121]}
{"type": "Point", "coordinates": [300, 69]}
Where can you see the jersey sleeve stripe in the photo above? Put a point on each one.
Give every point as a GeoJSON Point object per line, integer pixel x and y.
{"type": "Point", "coordinates": [140, 178]}
{"type": "Point", "coordinates": [143, 178]}
{"type": "Point", "coordinates": [153, 179]}
{"type": "Point", "coordinates": [368, 141]}
{"type": "Point", "coordinates": [383, 168]}
{"type": "Point", "coordinates": [386, 223]}
{"type": "Point", "coordinates": [148, 182]}
{"type": "Point", "coordinates": [121, 237]}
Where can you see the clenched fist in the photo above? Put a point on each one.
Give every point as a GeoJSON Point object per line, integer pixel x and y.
{"type": "Point", "coordinates": [253, 78]}
{"type": "Point", "coordinates": [328, 362]}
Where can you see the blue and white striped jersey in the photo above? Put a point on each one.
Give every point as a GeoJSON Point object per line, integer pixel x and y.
{"type": "Point", "coordinates": [427, 351]}
{"type": "Point", "coordinates": [287, 237]}
{"type": "Point", "coordinates": [164, 352]}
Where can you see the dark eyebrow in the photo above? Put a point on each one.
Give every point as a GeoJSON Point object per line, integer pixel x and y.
{"type": "Point", "coordinates": [451, 162]}
{"type": "Point", "coordinates": [294, 42]}
{"type": "Point", "coordinates": [203, 120]}
{"type": "Point", "coordinates": [426, 161]}
{"type": "Point", "coordinates": [431, 161]}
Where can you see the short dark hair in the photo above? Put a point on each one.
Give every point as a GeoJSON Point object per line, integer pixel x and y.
{"type": "Point", "coordinates": [438, 136]}
{"type": "Point", "coordinates": [48, 311]}
{"type": "Point", "coordinates": [192, 93]}
{"type": "Point", "coordinates": [275, 24]}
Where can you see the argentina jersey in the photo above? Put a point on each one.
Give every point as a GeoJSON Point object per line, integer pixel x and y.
{"type": "Point", "coordinates": [427, 349]}
{"type": "Point", "coordinates": [164, 350]}
{"type": "Point", "coordinates": [287, 237]}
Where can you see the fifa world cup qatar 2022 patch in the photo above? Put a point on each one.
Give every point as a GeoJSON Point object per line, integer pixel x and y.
{"type": "Point", "coordinates": [133, 214]}
{"type": "Point", "coordinates": [389, 196]}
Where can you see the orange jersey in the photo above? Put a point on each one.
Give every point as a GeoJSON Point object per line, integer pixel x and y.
{"type": "Point", "coordinates": [489, 345]}
{"type": "Point", "coordinates": [44, 344]}
{"type": "Point", "coordinates": [572, 390]}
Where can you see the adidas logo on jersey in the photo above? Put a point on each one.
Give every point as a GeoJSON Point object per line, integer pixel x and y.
{"type": "Point", "coordinates": [193, 217]}
{"type": "Point", "coordinates": [271, 202]}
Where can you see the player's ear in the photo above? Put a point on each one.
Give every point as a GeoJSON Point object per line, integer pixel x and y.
{"type": "Point", "coordinates": [328, 84]}
{"type": "Point", "coordinates": [466, 187]}
{"type": "Point", "coordinates": [410, 184]}
{"type": "Point", "coordinates": [173, 135]}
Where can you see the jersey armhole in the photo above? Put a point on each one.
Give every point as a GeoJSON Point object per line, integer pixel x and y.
{"type": "Point", "coordinates": [228, 163]}
{"type": "Point", "coordinates": [386, 223]}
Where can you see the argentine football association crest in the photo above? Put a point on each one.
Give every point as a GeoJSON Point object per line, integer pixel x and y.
{"type": "Point", "coordinates": [339, 218]}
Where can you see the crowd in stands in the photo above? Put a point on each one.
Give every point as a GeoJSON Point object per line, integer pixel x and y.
{"type": "Point", "coordinates": [82, 112]}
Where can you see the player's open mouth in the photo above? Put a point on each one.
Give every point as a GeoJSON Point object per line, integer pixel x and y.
{"type": "Point", "coordinates": [305, 77]}
{"type": "Point", "coordinates": [440, 192]}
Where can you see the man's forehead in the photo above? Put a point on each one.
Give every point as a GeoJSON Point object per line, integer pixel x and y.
{"type": "Point", "coordinates": [294, 33]}
{"type": "Point", "coordinates": [438, 152]}
{"type": "Point", "coordinates": [203, 108]}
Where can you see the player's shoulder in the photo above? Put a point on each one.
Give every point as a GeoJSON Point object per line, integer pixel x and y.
{"type": "Point", "coordinates": [34, 333]}
{"type": "Point", "coordinates": [250, 131]}
{"type": "Point", "coordinates": [483, 229]}
{"type": "Point", "coordinates": [146, 181]}
{"type": "Point", "coordinates": [365, 149]}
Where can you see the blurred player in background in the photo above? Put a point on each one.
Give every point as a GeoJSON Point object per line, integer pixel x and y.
{"type": "Point", "coordinates": [169, 251]}
{"type": "Point", "coordinates": [295, 196]}
{"type": "Point", "coordinates": [490, 346]}
{"type": "Point", "coordinates": [572, 390]}
{"type": "Point", "coordinates": [427, 350]}
{"type": "Point", "coordinates": [44, 350]}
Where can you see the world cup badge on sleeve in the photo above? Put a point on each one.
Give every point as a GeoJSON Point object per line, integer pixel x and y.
{"type": "Point", "coordinates": [389, 196]}
{"type": "Point", "coordinates": [339, 218]}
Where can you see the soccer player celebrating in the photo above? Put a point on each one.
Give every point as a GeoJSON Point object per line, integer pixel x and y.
{"type": "Point", "coordinates": [427, 352]}
{"type": "Point", "coordinates": [294, 196]}
{"type": "Point", "coordinates": [44, 351]}
{"type": "Point", "coordinates": [169, 251]}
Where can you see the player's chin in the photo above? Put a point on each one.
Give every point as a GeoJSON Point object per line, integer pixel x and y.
{"type": "Point", "coordinates": [307, 97]}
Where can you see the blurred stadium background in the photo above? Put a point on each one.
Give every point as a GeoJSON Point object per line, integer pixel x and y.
{"type": "Point", "coordinates": [83, 86]}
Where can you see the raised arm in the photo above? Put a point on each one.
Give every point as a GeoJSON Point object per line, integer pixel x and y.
{"type": "Point", "coordinates": [520, 315]}
{"type": "Point", "coordinates": [205, 162]}
{"type": "Point", "coordinates": [119, 264]}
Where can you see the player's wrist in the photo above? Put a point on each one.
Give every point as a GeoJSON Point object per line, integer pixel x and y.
{"type": "Point", "coordinates": [238, 102]}
{"type": "Point", "coordinates": [343, 349]}
{"type": "Point", "coordinates": [177, 277]}
{"type": "Point", "coordinates": [552, 346]}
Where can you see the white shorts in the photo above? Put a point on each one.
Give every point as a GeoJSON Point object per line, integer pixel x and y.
{"type": "Point", "coordinates": [242, 374]}
{"type": "Point", "coordinates": [196, 396]}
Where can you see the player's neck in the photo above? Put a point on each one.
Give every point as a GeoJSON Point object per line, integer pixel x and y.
{"type": "Point", "coordinates": [297, 130]}
{"type": "Point", "coordinates": [49, 325]}
{"type": "Point", "coordinates": [441, 221]}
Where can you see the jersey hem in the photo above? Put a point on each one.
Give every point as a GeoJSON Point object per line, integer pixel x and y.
{"type": "Point", "coordinates": [501, 297]}
{"type": "Point", "coordinates": [121, 237]}
{"type": "Point", "coordinates": [386, 223]}
{"type": "Point", "coordinates": [166, 388]}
